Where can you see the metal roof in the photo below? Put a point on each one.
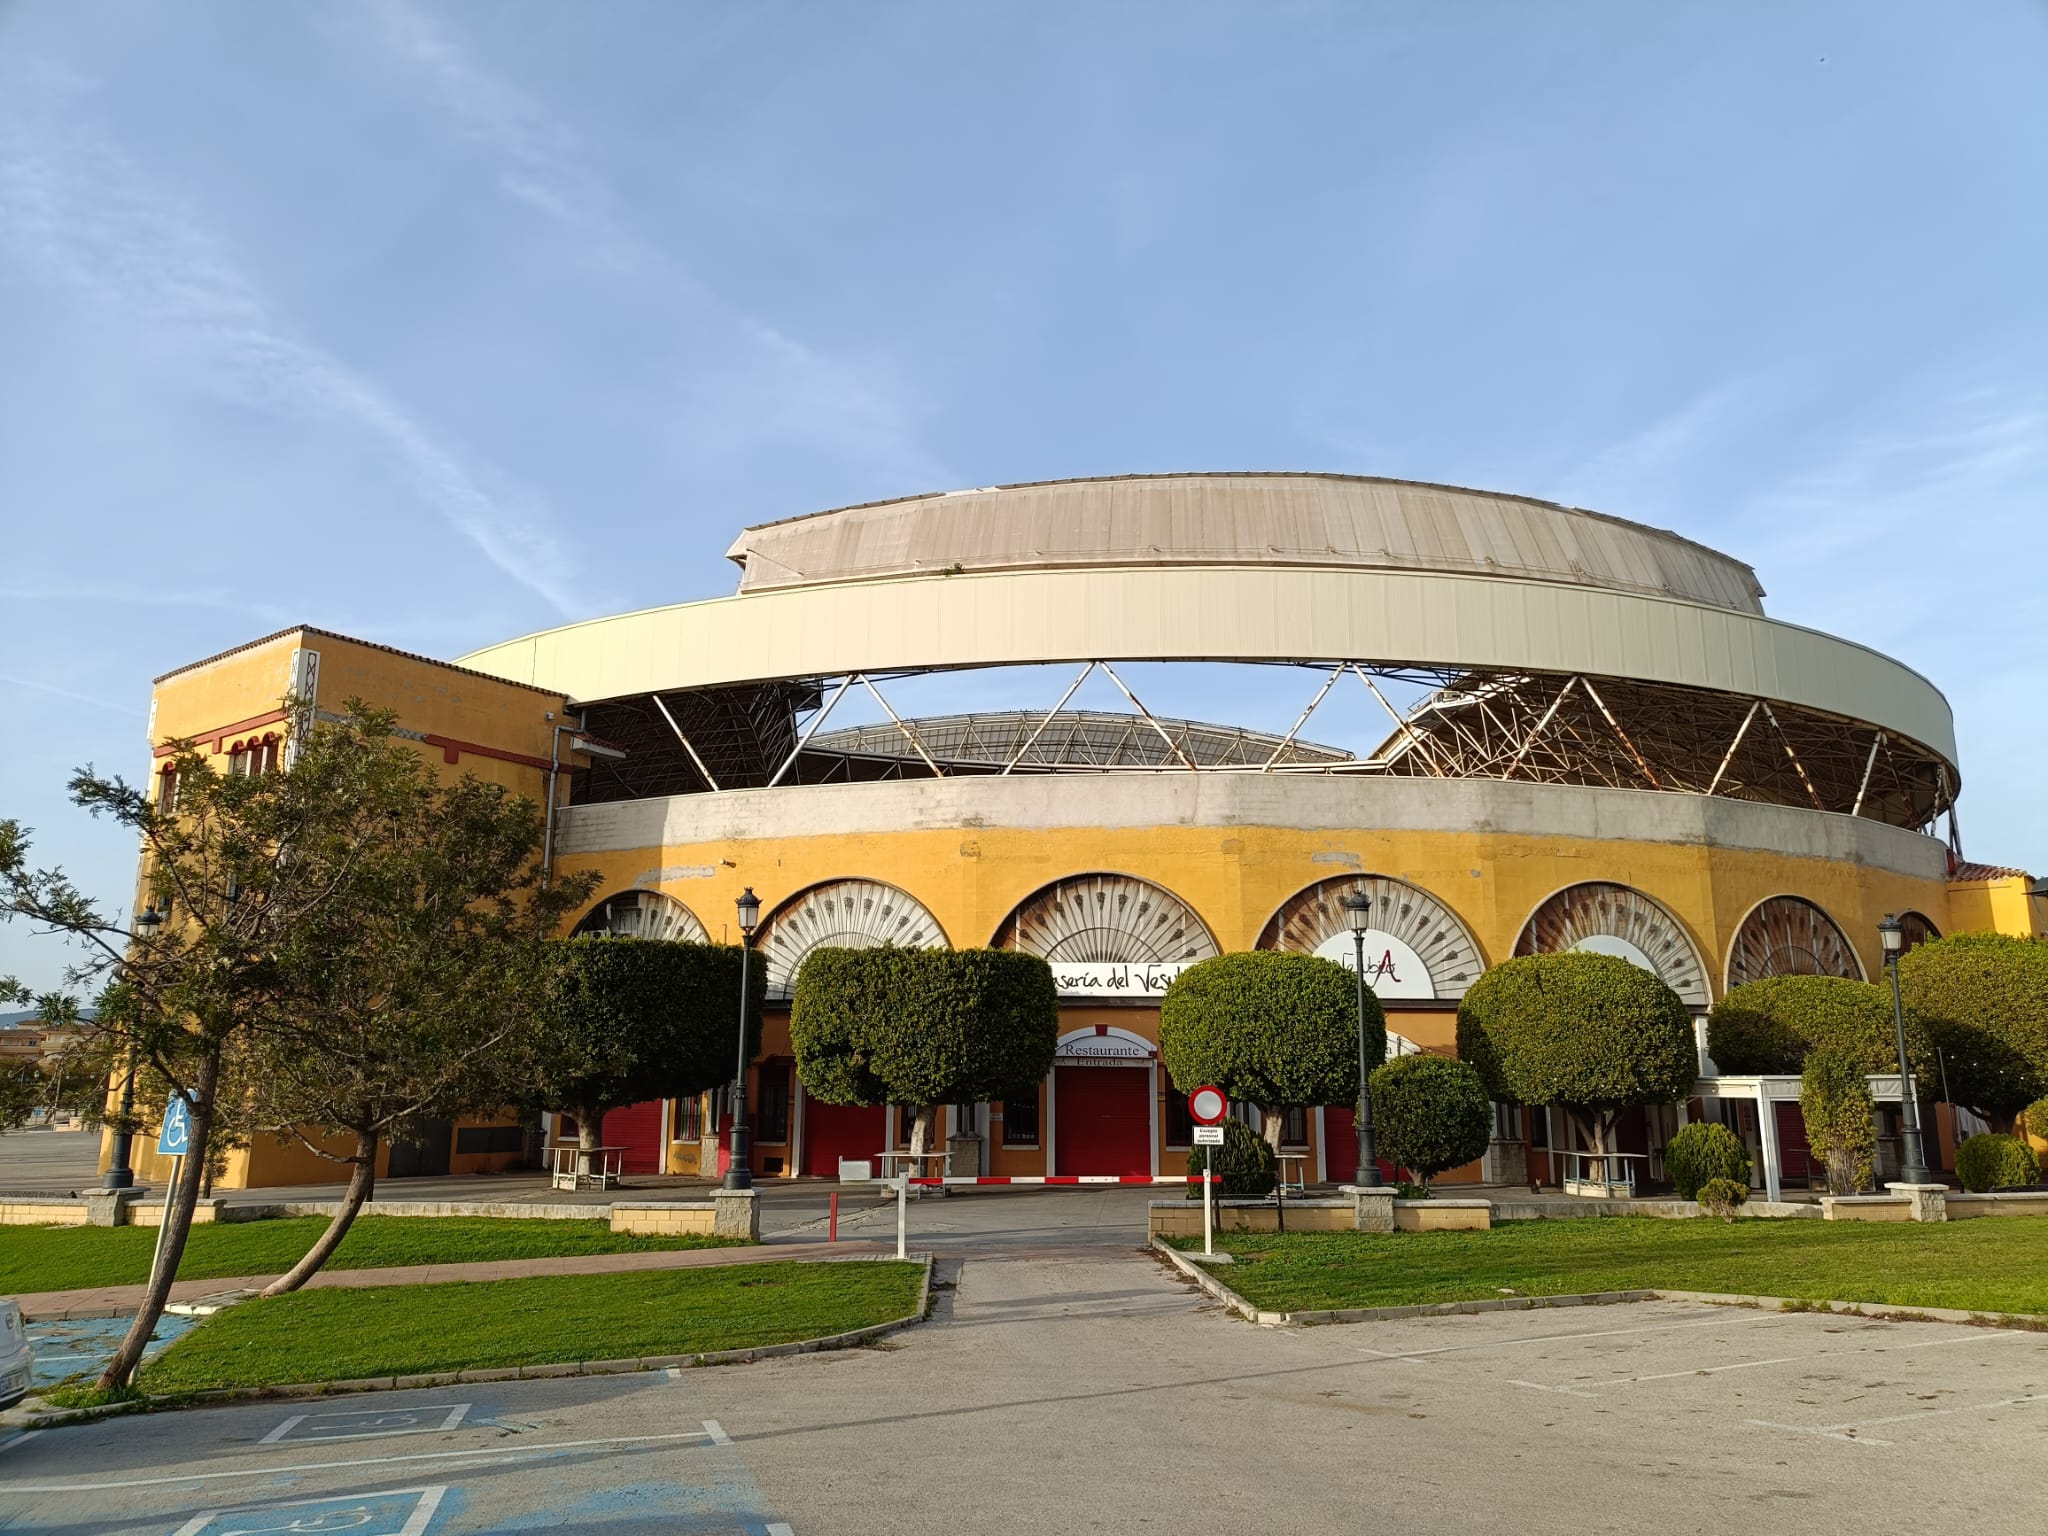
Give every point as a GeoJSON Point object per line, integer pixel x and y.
{"type": "Point", "coordinates": [1248, 519]}
{"type": "Point", "coordinates": [1073, 738]}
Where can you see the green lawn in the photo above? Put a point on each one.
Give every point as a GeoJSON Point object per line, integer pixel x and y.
{"type": "Point", "coordinates": [340, 1335]}
{"type": "Point", "coordinates": [72, 1258]}
{"type": "Point", "coordinates": [1986, 1265]}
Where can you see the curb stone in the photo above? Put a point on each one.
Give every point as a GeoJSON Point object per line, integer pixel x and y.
{"type": "Point", "coordinates": [1876, 1311]}
{"type": "Point", "coordinates": [852, 1339]}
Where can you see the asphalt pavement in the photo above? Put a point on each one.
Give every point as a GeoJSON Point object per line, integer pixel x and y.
{"type": "Point", "coordinates": [1065, 1393]}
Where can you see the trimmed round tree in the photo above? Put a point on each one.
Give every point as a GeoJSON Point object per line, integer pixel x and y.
{"type": "Point", "coordinates": [1773, 1025]}
{"type": "Point", "coordinates": [1834, 1100]}
{"type": "Point", "coordinates": [630, 1019]}
{"type": "Point", "coordinates": [1431, 1113]}
{"type": "Point", "coordinates": [1271, 1028]}
{"type": "Point", "coordinates": [922, 1027]}
{"type": "Point", "coordinates": [1700, 1153]}
{"type": "Point", "coordinates": [1985, 999]}
{"type": "Point", "coordinates": [1589, 1033]}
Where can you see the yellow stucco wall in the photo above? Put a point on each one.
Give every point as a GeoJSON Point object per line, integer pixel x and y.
{"type": "Point", "coordinates": [2000, 905]}
{"type": "Point", "coordinates": [1236, 878]}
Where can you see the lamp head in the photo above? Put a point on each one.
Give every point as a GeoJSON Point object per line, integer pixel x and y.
{"type": "Point", "coordinates": [749, 906]}
{"type": "Point", "coordinates": [1892, 934]}
{"type": "Point", "coordinates": [148, 922]}
{"type": "Point", "coordinates": [1358, 905]}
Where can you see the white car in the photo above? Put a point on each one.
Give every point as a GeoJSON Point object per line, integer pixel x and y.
{"type": "Point", "coordinates": [17, 1359]}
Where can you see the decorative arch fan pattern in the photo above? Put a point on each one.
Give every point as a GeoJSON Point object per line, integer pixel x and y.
{"type": "Point", "coordinates": [1107, 919]}
{"type": "Point", "coordinates": [1790, 936]}
{"type": "Point", "coordinates": [1444, 954]}
{"type": "Point", "coordinates": [644, 915]}
{"type": "Point", "coordinates": [1616, 920]}
{"type": "Point", "coordinates": [843, 914]}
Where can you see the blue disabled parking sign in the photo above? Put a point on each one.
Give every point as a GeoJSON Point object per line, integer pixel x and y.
{"type": "Point", "coordinates": [175, 1139]}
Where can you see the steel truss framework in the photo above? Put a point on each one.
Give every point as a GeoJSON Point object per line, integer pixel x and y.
{"type": "Point", "coordinates": [1533, 727]}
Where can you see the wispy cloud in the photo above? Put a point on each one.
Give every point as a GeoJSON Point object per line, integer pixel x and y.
{"type": "Point", "coordinates": [769, 382]}
{"type": "Point", "coordinates": [71, 201]}
{"type": "Point", "coordinates": [1646, 469]}
{"type": "Point", "coordinates": [9, 680]}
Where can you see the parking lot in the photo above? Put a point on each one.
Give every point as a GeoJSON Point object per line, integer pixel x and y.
{"type": "Point", "coordinates": [1094, 1393]}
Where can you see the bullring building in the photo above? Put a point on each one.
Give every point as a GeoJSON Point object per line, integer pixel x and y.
{"type": "Point", "coordinates": [1567, 731]}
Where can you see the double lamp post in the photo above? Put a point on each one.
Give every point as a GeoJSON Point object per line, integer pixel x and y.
{"type": "Point", "coordinates": [738, 1172]}
{"type": "Point", "coordinates": [1359, 907]}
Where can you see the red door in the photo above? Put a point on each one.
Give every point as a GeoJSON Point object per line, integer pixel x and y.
{"type": "Point", "coordinates": [637, 1128]}
{"type": "Point", "coordinates": [1102, 1120]}
{"type": "Point", "coordinates": [1340, 1146]}
{"type": "Point", "coordinates": [1796, 1162]}
{"type": "Point", "coordinates": [833, 1131]}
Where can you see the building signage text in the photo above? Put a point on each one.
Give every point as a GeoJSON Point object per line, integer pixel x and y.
{"type": "Point", "coordinates": [1115, 978]}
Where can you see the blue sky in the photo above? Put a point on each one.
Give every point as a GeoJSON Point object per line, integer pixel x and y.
{"type": "Point", "coordinates": [438, 323]}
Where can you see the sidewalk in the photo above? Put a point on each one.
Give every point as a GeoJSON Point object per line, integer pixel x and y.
{"type": "Point", "coordinates": [121, 1300]}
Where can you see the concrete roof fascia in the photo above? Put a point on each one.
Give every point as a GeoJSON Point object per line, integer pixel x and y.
{"type": "Point", "coordinates": [1213, 613]}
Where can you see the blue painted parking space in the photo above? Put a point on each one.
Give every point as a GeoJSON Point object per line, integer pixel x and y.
{"type": "Point", "coordinates": [389, 1512]}
{"type": "Point", "coordinates": [84, 1344]}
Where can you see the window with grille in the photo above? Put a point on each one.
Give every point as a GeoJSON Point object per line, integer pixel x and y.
{"type": "Point", "coordinates": [773, 1093]}
{"type": "Point", "coordinates": [1020, 1121]}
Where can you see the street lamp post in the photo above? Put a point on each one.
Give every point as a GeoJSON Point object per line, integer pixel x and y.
{"type": "Point", "coordinates": [1358, 906]}
{"type": "Point", "coordinates": [120, 1175]}
{"type": "Point", "coordinates": [738, 1173]}
{"type": "Point", "coordinates": [1912, 1160]}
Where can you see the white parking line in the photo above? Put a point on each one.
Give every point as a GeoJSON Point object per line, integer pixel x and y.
{"type": "Point", "coordinates": [716, 1432]}
{"type": "Point", "coordinates": [396, 1421]}
{"type": "Point", "coordinates": [1843, 1431]}
{"type": "Point", "coordinates": [21, 1439]}
{"type": "Point", "coordinates": [777, 1528]}
{"type": "Point", "coordinates": [360, 1461]}
{"type": "Point", "coordinates": [1551, 1338]}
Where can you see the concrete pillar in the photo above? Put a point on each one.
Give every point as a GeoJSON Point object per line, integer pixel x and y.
{"type": "Point", "coordinates": [1929, 1202]}
{"type": "Point", "coordinates": [1372, 1206]}
{"type": "Point", "coordinates": [736, 1213]}
{"type": "Point", "coordinates": [1767, 1143]}
{"type": "Point", "coordinates": [110, 1207]}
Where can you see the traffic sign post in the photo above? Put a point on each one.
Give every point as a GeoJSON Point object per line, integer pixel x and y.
{"type": "Point", "coordinates": [1207, 1106]}
{"type": "Point", "coordinates": [174, 1141]}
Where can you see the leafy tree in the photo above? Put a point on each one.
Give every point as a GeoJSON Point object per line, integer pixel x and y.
{"type": "Point", "coordinates": [1588, 1032]}
{"type": "Point", "coordinates": [1702, 1151]}
{"type": "Point", "coordinates": [1772, 1025]}
{"type": "Point", "coordinates": [1431, 1113]}
{"type": "Point", "coordinates": [1271, 1028]}
{"type": "Point", "coordinates": [922, 1027]}
{"type": "Point", "coordinates": [24, 1089]}
{"type": "Point", "coordinates": [1985, 999]}
{"type": "Point", "coordinates": [1835, 1100]}
{"type": "Point", "coordinates": [1246, 1165]}
{"type": "Point", "coordinates": [1991, 1161]}
{"type": "Point", "coordinates": [404, 996]}
{"type": "Point", "coordinates": [624, 1020]}
{"type": "Point", "coordinates": [239, 865]}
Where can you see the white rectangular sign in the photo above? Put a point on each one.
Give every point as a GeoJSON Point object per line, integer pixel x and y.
{"type": "Point", "coordinates": [1208, 1135]}
{"type": "Point", "coordinates": [1115, 978]}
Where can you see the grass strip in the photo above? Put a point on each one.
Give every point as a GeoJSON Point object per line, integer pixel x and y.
{"type": "Point", "coordinates": [74, 1258]}
{"type": "Point", "coordinates": [343, 1335]}
{"type": "Point", "coordinates": [1986, 1265]}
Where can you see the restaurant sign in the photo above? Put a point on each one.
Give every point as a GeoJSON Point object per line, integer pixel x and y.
{"type": "Point", "coordinates": [1115, 978]}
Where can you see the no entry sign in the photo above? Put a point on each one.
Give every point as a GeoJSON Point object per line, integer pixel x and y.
{"type": "Point", "coordinates": [1208, 1106]}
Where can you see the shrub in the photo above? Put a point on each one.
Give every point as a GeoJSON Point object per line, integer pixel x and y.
{"type": "Point", "coordinates": [1245, 1164]}
{"type": "Point", "coordinates": [1988, 1162]}
{"type": "Point", "coordinates": [2037, 1118]}
{"type": "Point", "coordinates": [922, 1027]}
{"type": "Point", "coordinates": [1270, 1028]}
{"type": "Point", "coordinates": [1589, 1032]}
{"type": "Point", "coordinates": [1985, 998]}
{"type": "Point", "coordinates": [1772, 1025]}
{"type": "Point", "coordinates": [1430, 1113]}
{"type": "Point", "coordinates": [1722, 1198]}
{"type": "Point", "coordinates": [1702, 1152]}
{"type": "Point", "coordinates": [1835, 1101]}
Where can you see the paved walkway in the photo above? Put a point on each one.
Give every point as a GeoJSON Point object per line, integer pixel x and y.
{"type": "Point", "coordinates": [120, 1300]}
